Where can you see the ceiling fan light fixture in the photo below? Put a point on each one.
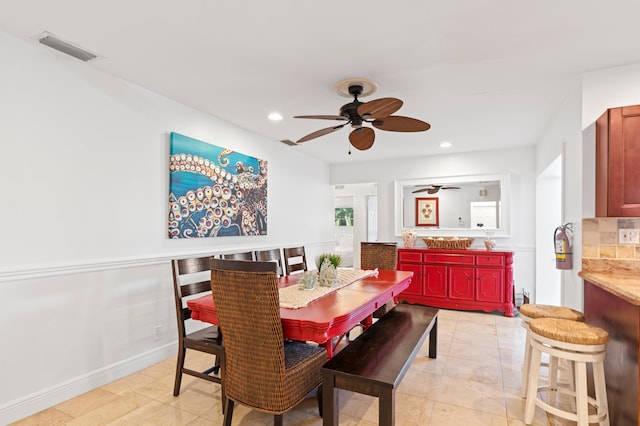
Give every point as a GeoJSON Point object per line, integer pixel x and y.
{"type": "Point", "coordinates": [378, 112]}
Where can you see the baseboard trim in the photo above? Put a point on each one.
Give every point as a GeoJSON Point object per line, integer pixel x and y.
{"type": "Point", "coordinates": [46, 398]}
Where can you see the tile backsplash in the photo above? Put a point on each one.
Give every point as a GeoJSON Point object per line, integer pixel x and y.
{"type": "Point", "coordinates": [601, 249]}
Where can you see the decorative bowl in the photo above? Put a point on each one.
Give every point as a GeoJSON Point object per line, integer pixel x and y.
{"type": "Point", "coordinates": [448, 243]}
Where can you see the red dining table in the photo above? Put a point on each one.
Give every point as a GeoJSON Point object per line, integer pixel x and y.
{"type": "Point", "coordinates": [333, 314]}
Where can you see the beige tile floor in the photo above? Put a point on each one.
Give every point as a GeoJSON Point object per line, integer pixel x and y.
{"type": "Point", "coordinates": [475, 380]}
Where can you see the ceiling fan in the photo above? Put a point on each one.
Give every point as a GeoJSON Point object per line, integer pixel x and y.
{"type": "Point", "coordinates": [377, 112]}
{"type": "Point", "coordinates": [433, 189]}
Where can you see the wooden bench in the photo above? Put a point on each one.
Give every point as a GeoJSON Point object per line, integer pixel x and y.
{"type": "Point", "coordinates": [375, 362]}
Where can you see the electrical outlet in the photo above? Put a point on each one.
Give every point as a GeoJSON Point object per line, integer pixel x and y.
{"type": "Point", "coordinates": [156, 335]}
{"type": "Point", "coordinates": [629, 236]}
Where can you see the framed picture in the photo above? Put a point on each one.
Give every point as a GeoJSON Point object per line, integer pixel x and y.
{"type": "Point", "coordinates": [427, 212]}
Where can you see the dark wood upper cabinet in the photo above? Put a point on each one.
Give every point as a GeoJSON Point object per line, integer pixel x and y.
{"type": "Point", "coordinates": [618, 162]}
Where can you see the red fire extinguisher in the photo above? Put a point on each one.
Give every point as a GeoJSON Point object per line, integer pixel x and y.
{"type": "Point", "coordinates": [562, 241]}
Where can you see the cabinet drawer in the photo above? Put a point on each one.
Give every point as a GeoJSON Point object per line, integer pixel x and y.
{"type": "Point", "coordinates": [405, 256]}
{"type": "Point", "coordinates": [489, 260]}
{"type": "Point", "coordinates": [450, 259]}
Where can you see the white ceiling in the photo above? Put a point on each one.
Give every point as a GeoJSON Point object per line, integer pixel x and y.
{"type": "Point", "coordinates": [485, 74]}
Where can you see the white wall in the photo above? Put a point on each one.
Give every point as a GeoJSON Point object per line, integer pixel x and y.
{"type": "Point", "coordinates": [609, 88]}
{"type": "Point", "coordinates": [84, 259]}
{"type": "Point", "coordinates": [573, 124]}
{"type": "Point", "coordinates": [520, 162]}
{"type": "Point", "coordinates": [563, 136]}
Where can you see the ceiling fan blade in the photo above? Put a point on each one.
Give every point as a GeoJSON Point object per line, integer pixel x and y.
{"type": "Point", "coordinates": [450, 187]}
{"type": "Point", "coordinates": [397, 123]}
{"type": "Point", "coordinates": [362, 138]}
{"type": "Point", "coordinates": [323, 117]}
{"type": "Point", "coordinates": [379, 108]}
{"type": "Point", "coordinates": [320, 132]}
{"type": "Point", "coordinates": [421, 190]}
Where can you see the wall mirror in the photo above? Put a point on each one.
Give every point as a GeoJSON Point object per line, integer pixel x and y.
{"type": "Point", "coordinates": [453, 206]}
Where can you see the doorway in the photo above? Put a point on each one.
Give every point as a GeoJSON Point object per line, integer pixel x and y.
{"type": "Point", "coordinates": [548, 284]}
{"type": "Point", "coordinates": [359, 202]}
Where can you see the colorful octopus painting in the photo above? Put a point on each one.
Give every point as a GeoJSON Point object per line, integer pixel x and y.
{"type": "Point", "coordinates": [214, 192]}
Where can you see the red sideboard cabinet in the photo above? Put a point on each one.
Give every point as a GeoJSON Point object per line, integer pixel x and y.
{"type": "Point", "coordinates": [477, 280]}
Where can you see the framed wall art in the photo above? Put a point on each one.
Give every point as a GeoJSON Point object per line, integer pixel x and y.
{"type": "Point", "coordinates": [427, 212]}
{"type": "Point", "coordinates": [214, 191]}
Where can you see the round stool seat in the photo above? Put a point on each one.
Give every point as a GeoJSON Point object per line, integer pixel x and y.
{"type": "Point", "coordinates": [577, 344]}
{"type": "Point", "coordinates": [549, 311]}
{"type": "Point", "coordinates": [568, 331]}
{"type": "Point", "coordinates": [530, 312]}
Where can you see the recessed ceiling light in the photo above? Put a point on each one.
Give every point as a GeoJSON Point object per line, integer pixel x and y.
{"type": "Point", "coordinates": [445, 145]}
{"type": "Point", "coordinates": [274, 116]}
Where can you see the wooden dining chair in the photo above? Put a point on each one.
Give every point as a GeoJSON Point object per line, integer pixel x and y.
{"type": "Point", "coordinates": [379, 255]}
{"type": "Point", "coordinates": [262, 370]}
{"type": "Point", "coordinates": [272, 255]}
{"type": "Point", "coordinates": [190, 278]}
{"type": "Point", "coordinates": [247, 255]}
{"type": "Point", "coordinates": [295, 259]}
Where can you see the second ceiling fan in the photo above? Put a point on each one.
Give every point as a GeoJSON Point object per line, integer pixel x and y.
{"type": "Point", "coordinates": [434, 189]}
{"type": "Point", "coordinates": [377, 112]}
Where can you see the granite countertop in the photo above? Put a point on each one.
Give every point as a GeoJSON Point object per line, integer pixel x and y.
{"type": "Point", "coordinates": [625, 285]}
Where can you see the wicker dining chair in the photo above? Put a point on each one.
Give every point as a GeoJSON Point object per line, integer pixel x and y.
{"type": "Point", "coordinates": [295, 259]}
{"type": "Point", "coordinates": [378, 255]}
{"type": "Point", "coordinates": [382, 256]}
{"type": "Point", "coordinates": [188, 280]}
{"type": "Point", "coordinates": [272, 255]}
{"type": "Point", "coordinates": [262, 370]}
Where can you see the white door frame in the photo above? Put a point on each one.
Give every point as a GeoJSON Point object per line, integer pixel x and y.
{"type": "Point", "coordinates": [549, 214]}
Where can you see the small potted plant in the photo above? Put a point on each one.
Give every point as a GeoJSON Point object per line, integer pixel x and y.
{"type": "Point", "coordinates": [327, 264]}
{"type": "Point", "coordinates": [334, 259]}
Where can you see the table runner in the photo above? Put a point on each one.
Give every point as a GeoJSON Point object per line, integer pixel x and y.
{"type": "Point", "coordinates": [293, 298]}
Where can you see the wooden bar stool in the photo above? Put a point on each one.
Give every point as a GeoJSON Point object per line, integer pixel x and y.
{"type": "Point", "coordinates": [578, 343]}
{"type": "Point", "coordinates": [532, 311]}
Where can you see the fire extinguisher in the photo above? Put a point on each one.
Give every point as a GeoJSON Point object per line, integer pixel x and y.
{"type": "Point", "coordinates": [562, 237]}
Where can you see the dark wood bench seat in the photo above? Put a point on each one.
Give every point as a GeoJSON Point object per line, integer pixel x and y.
{"type": "Point", "coordinates": [375, 362]}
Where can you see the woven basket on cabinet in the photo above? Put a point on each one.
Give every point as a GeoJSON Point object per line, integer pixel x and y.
{"type": "Point", "coordinates": [448, 243]}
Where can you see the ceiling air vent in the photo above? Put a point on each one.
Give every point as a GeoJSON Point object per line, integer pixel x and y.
{"type": "Point", "coordinates": [65, 47]}
{"type": "Point", "coordinates": [288, 142]}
